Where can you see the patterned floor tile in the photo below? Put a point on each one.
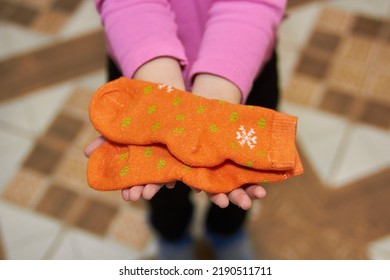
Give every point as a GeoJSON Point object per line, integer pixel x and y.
{"type": "Point", "coordinates": [44, 158]}
{"type": "Point", "coordinates": [357, 49]}
{"type": "Point", "coordinates": [25, 188]}
{"type": "Point", "coordinates": [376, 114]}
{"type": "Point", "coordinates": [96, 217]}
{"type": "Point", "coordinates": [302, 90]}
{"type": "Point", "coordinates": [367, 26]}
{"type": "Point", "coordinates": [131, 228]}
{"type": "Point", "coordinates": [58, 202]}
{"type": "Point", "coordinates": [50, 22]}
{"type": "Point", "coordinates": [339, 224]}
{"type": "Point", "coordinates": [338, 102]}
{"type": "Point", "coordinates": [336, 21]}
{"type": "Point", "coordinates": [344, 66]}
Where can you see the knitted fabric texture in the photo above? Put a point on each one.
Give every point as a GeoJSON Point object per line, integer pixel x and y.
{"type": "Point", "coordinates": [209, 144]}
{"type": "Point", "coordinates": [117, 166]}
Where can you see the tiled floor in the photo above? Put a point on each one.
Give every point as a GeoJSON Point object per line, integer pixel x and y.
{"type": "Point", "coordinates": [335, 76]}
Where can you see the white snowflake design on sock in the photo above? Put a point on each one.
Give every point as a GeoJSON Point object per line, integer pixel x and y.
{"type": "Point", "coordinates": [167, 87]}
{"type": "Point", "coordinates": [246, 138]}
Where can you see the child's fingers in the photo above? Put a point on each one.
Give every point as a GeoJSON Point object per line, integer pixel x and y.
{"type": "Point", "coordinates": [219, 199]}
{"type": "Point", "coordinates": [93, 146]}
{"type": "Point", "coordinates": [170, 185]}
{"type": "Point", "coordinates": [132, 194]}
{"type": "Point", "coordinates": [256, 192]}
{"type": "Point", "coordinates": [135, 193]}
{"type": "Point", "coordinates": [240, 198]}
{"type": "Point", "coordinates": [150, 190]}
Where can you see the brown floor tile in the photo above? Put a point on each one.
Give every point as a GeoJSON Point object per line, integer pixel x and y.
{"type": "Point", "coordinates": [57, 202]}
{"type": "Point", "coordinates": [366, 26]}
{"type": "Point", "coordinates": [17, 13]}
{"type": "Point", "coordinates": [65, 128]}
{"type": "Point", "coordinates": [386, 32]}
{"type": "Point", "coordinates": [337, 102]}
{"type": "Point", "coordinates": [79, 99]}
{"type": "Point", "coordinates": [72, 170]}
{"type": "Point", "coordinates": [68, 6]}
{"type": "Point", "coordinates": [43, 158]}
{"type": "Point", "coordinates": [313, 66]}
{"type": "Point", "coordinates": [335, 20]}
{"type": "Point", "coordinates": [347, 75]}
{"type": "Point", "coordinates": [382, 59]}
{"type": "Point", "coordinates": [130, 228]}
{"type": "Point", "coordinates": [23, 16]}
{"type": "Point", "coordinates": [96, 217]}
{"type": "Point", "coordinates": [360, 209]}
{"type": "Point", "coordinates": [302, 90]}
{"type": "Point", "coordinates": [38, 4]}
{"type": "Point", "coordinates": [54, 64]}
{"type": "Point", "coordinates": [377, 114]}
{"type": "Point", "coordinates": [25, 188]}
{"type": "Point", "coordinates": [357, 49]}
{"type": "Point", "coordinates": [2, 252]}
{"type": "Point", "coordinates": [379, 85]}
{"type": "Point", "coordinates": [203, 250]}
{"type": "Point", "coordinates": [324, 41]}
{"type": "Point", "coordinates": [7, 9]}
{"type": "Point", "coordinates": [50, 22]}
{"type": "Point", "coordinates": [296, 3]}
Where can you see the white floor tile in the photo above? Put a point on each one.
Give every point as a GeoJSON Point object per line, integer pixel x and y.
{"type": "Point", "coordinates": [93, 81]}
{"type": "Point", "coordinates": [367, 152]}
{"type": "Point", "coordinates": [25, 235]}
{"type": "Point", "coordinates": [376, 8]}
{"type": "Point", "coordinates": [33, 113]}
{"type": "Point", "coordinates": [297, 27]}
{"type": "Point", "coordinates": [320, 136]}
{"type": "Point", "coordinates": [16, 40]}
{"type": "Point", "coordinates": [380, 249]}
{"type": "Point", "coordinates": [13, 150]}
{"type": "Point", "coordinates": [85, 19]}
{"type": "Point", "coordinates": [287, 58]}
{"type": "Point", "coordinates": [83, 246]}
{"type": "Point", "coordinates": [378, 140]}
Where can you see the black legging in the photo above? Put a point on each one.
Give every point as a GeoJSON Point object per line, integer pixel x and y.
{"type": "Point", "coordinates": [171, 210]}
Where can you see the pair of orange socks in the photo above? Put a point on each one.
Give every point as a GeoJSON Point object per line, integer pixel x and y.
{"type": "Point", "coordinates": [159, 134]}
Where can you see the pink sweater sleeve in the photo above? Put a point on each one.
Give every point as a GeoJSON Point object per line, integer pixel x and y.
{"type": "Point", "coordinates": [138, 31]}
{"type": "Point", "coordinates": [238, 39]}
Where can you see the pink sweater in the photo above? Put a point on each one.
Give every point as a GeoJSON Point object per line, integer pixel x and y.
{"type": "Point", "coordinates": [232, 39]}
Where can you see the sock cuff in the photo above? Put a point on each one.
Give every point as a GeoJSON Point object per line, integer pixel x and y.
{"type": "Point", "coordinates": [283, 151]}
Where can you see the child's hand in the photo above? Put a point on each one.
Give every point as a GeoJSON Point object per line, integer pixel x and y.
{"type": "Point", "coordinates": [135, 192]}
{"type": "Point", "coordinates": [146, 191]}
{"type": "Point", "coordinates": [242, 197]}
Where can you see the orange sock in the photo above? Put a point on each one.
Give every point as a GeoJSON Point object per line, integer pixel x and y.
{"type": "Point", "coordinates": [198, 131]}
{"type": "Point", "coordinates": [114, 166]}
